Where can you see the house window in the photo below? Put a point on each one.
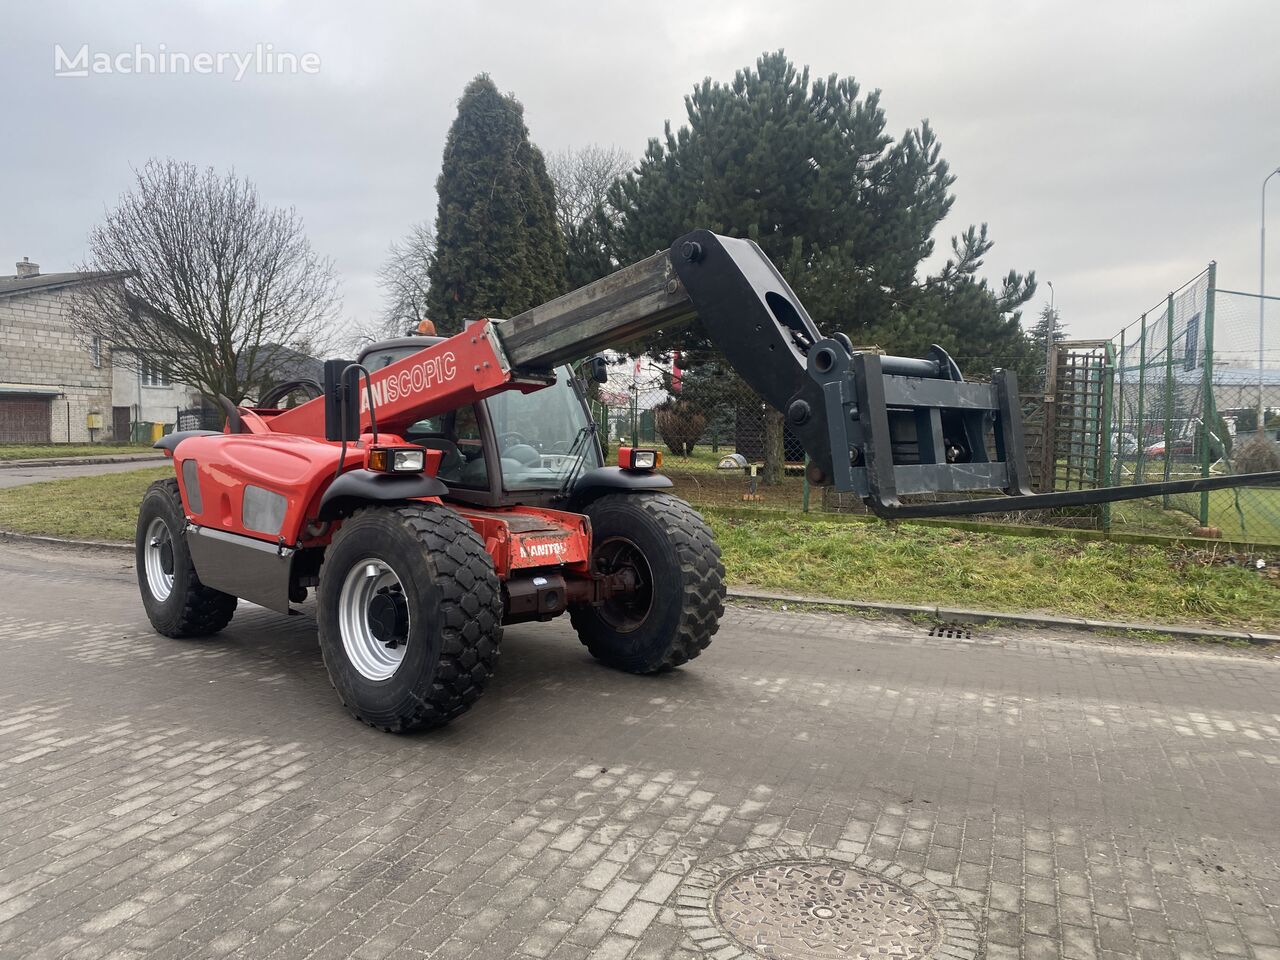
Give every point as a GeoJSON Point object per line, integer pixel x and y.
{"type": "Point", "coordinates": [154, 373]}
{"type": "Point", "coordinates": [95, 351]}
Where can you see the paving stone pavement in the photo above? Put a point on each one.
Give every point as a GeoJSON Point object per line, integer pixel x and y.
{"type": "Point", "coordinates": [162, 798]}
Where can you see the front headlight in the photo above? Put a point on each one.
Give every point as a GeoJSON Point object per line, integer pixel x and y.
{"type": "Point", "coordinates": [634, 458]}
{"type": "Point", "coordinates": [397, 459]}
{"type": "Point", "coordinates": [408, 461]}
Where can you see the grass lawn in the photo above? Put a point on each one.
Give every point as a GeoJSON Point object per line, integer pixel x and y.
{"type": "Point", "coordinates": [891, 562]}
{"type": "Point", "coordinates": [56, 451]}
{"type": "Point", "coordinates": [908, 563]}
{"type": "Point", "coordinates": [84, 508]}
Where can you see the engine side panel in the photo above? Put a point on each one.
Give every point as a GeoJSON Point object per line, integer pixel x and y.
{"type": "Point", "coordinates": [259, 486]}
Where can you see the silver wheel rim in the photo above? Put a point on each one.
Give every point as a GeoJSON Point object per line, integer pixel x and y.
{"type": "Point", "coordinates": [157, 560]}
{"type": "Point", "coordinates": [373, 618]}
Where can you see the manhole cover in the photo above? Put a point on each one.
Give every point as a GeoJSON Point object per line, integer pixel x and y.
{"type": "Point", "coordinates": [819, 910]}
{"type": "Point", "coordinates": [802, 903]}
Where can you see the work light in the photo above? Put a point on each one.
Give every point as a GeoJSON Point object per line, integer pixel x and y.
{"type": "Point", "coordinates": [397, 459]}
{"type": "Point", "coordinates": [639, 458]}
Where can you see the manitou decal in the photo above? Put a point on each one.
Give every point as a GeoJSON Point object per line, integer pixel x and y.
{"type": "Point", "coordinates": [546, 550]}
{"type": "Point", "coordinates": [414, 381]}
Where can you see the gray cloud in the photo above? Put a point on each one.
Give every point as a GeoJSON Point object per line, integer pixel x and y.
{"type": "Point", "coordinates": [1113, 148]}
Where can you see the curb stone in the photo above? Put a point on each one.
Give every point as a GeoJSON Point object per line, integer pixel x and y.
{"type": "Point", "coordinates": [62, 543]}
{"type": "Point", "coordinates": [1023, 619]}
{"type": "Point", "coordinates": [80, 461]}
{"type": "Point", "coordinates": [899, 609]}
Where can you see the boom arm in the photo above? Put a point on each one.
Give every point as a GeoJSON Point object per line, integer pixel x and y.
{"type": "Point", "coordinates": [876, 426]}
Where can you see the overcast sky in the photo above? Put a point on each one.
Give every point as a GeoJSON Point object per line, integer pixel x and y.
{"type": "Point", "coordinates": [1114, 148]}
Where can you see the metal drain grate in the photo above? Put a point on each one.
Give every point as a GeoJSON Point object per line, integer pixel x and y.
{"type": "Point", "coordinates": [952, 631]}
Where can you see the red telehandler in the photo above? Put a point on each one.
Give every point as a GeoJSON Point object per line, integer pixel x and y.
{"type": "Point", "coordinates": [436, 489]}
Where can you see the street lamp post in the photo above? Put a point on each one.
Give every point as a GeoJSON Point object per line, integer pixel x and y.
{"type": "Point", "coordinates": [1262, 307]}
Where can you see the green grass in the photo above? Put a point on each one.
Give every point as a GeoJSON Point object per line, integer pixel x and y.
{"type": "Point", "coordinates": [85, 508]}
{"type": "Point", "coordinates": [1260, 508]}
{"type": "Point", "coordinates": [889, 562]}
{"type": "Point", "coordinates": [55, 451]}
{"type": "Point", "coordinates": [908, 563]}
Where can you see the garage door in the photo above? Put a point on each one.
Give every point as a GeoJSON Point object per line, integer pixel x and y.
{"type": "Point", "coordinates": [24, 420]}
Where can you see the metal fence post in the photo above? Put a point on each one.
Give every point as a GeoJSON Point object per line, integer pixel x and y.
{"type": "Point", "coordinates": [1118, 428]}
{"type": "Point", "coordinates": [1168, 394]}
{"type": "Point", "coordinates": [1108, 374]}
{"type": "Point", "coordinates": [804, 504]}
{"type": "Point", "coordinates": [1142, 383]}
{"type": "Point", "coordinates": [1208, 409]}
{"type": "Point", "coordinates": [1049, 458]}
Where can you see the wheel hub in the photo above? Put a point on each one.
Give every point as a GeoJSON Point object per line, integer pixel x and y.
{"type": "Point", "coordinates": [389, 617]}
{"type": "Point", "coordinates": [624, 562]}
{"type": "Point", "coordinates": [158, 561]}
{"type": "Point", "coordinates": [374, 619]}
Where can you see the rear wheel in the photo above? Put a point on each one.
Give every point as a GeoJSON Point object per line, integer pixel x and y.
{"type": "Point", "coordinates": [177, 603]}
{"type": "Point", "coordinates": [667, 549]}
{"type": "Point", "coordinates": [410, 616]}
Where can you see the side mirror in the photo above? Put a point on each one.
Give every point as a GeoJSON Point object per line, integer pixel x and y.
{"type": "Point", "coordinates": [599, 369]}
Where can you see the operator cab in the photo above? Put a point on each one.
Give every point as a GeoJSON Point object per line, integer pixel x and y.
{"type": "Point", "coordinates": [540, 442]}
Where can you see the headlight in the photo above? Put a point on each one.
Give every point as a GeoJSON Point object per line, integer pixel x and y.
{"type": "Point", "coordinates": [397, 459]}
{"type": "Point", "coordinates": [635, 458]}
{"type": "Point", "coordinates": [408, 461]}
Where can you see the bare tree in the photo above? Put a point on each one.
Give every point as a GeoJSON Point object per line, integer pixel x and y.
{"type": "Point", "coordinates": [583, 178]}
{"type": "Point", "coordinates": [215, 282]}
{"type": "Point", "coordinates": [404, 282]}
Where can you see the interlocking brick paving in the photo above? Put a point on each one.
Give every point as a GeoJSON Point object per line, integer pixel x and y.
{"type": "Point", "coordinates": [164, 798]}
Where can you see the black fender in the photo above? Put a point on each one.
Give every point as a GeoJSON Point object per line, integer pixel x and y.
{"type": "Point", "coordinates": [170, 441]}
{"type": "Point", "coordinates": [602, 480]}
{"type": "Point", "coordinates": [358, 487]}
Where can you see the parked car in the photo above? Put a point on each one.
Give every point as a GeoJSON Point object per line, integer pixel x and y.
{"type": "Point", "coordinates": [1179, 448]}
{"type": "Point", "coordinates": [1124, 445]}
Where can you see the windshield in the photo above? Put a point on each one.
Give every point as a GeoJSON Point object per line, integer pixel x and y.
{"type": "Point", "coordinates": [542, 436]}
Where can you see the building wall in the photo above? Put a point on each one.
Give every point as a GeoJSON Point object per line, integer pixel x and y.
{"type": "Point", "coordinates": [38, 349]}
{"type": "Point", "coordinates": [147, 404]}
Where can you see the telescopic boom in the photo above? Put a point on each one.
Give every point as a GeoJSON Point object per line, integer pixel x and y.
{"type": "Point", "coordinates": [880, 427]}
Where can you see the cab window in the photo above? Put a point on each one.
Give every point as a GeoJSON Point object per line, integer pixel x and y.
{"type": "Point", "coordinates": [456, 435]}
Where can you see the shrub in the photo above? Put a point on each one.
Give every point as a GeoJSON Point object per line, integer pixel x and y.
{"type": "Point", "coordinates": [1257, 456]}
{"type": "Point", "coordinates": [680, 424]}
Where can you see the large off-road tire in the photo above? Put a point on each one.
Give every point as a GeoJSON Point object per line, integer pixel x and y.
{"type": "Point", "coordinates": [177, 603]}
{"type": "Point", "coordinates": [410, 616]}
{"type": "Point", "coordinates": [673, 616]}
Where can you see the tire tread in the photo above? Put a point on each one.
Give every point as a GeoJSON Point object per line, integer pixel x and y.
{"type": "Point", "coordinates": [471, 614]}
{"type": "Point", "coordinates": [702, 599]}
{"type": "Point", "coordinates": [205, 611]}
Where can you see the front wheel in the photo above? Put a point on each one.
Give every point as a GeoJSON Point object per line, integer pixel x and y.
{"type": "Point", "coordinates": [665, 547]}
{"type": "Point", "coordinates": [410, 616]}
{"type": "Point", "coordinates": [177, 603]}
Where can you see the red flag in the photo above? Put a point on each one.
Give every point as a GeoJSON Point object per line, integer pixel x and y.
{"type": "Point", "coordinates": [676, 372]}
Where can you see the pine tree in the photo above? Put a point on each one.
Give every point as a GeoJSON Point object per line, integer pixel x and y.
{"type": "Point", "coordinates": [806, 168]}
{"type": "Point", "coordinates": [498, 248]}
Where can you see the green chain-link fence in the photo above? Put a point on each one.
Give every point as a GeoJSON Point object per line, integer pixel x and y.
{"type": "Point", "coordinates": [1187, 391]}
{"type": "Point", "coordinates": [1175, 395]}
